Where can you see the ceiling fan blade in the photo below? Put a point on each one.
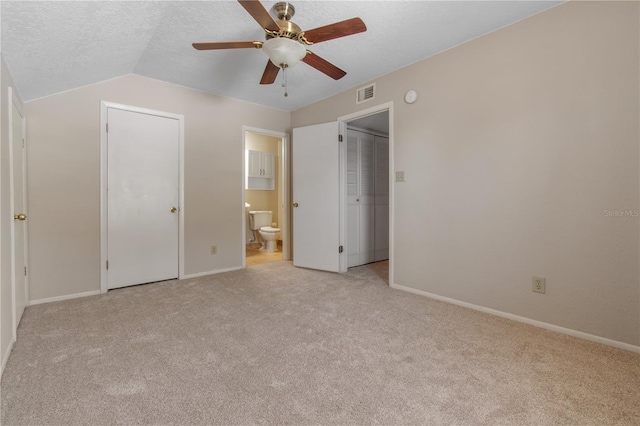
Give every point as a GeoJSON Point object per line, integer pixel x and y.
{"type": "Point", "coordinates": [270, 73]}
{"type": "Point", "coordinates": [323, 66]}
{"type": "Point", "coordinates": [227, 45]}
{"type": "Point", "coordinates": [260, 14]}
{"type": "Point", "coordinates": [337, 30]}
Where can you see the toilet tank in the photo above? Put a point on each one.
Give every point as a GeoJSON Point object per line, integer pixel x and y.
{"type": "Point", "coordinates": [259, 218]}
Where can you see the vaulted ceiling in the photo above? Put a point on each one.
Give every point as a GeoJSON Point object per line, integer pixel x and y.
{"type": "Point", "coordinates": [54, 46]}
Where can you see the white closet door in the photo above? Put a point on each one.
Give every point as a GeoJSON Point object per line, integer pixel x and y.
{"type": "Point", "coordinates": [381, 231]}
{"type": "Point", "coordinates": [361, 184]}
{"type": "Point", "coordinates": [367, 199]}
{"type": "Point", "coordinates": [19, 225]}
{"type": "Point", "coordinates": [353, 207]}
{"type": "Point", "coordinates": [143, 196]}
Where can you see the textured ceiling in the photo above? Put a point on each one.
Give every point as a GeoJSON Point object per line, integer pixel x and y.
{"type": "Point", "coordinates": [53, 46]}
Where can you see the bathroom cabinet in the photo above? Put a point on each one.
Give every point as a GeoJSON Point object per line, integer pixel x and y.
{"type": "Point", "coordinates": [367, 197]}
{"type": "Point", "coordinates": [260, 168]}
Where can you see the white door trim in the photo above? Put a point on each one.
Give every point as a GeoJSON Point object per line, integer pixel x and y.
{"type": "Point", "coordinates": [285, 186]}
{"type": "Point", "coordinates": [12, 101]}
{"type": "Point", "coordinates": [104, 106]}
{"type": "Point", "coordinates": [388, 106]}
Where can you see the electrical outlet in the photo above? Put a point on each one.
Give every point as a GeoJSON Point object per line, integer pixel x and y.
{"type": "Point", "coordinates": [214, 249]}
{"type": "Point", "coordinates": [400, 176]}
{"type": "Point", "coordinates": [539, 285]}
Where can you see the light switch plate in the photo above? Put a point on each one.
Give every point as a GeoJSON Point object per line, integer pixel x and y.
{"type": "Point", "coordinates": [400, 176]}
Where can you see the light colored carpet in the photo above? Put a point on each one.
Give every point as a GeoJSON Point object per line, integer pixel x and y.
{"type": "Point", "coordinates": [277, 345]}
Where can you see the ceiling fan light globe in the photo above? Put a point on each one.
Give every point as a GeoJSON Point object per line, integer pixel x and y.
{"type": "Point", "coordinates": [284, 51]}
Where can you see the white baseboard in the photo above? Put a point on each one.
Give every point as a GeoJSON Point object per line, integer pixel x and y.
{"type": "Point", "coordinates": [65, 297]}
{"type": "Point", "coordinates": [95, 292]}
{"type": "Point", "coordinates": [546, 326]}
{"type": "Point", "coordinates": [217, 271]}
{"type": "Point", "coordinates": [5, 356]}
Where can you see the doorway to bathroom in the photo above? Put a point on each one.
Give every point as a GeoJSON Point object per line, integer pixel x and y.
{"type": "Point", "coordinates": [265, 196]}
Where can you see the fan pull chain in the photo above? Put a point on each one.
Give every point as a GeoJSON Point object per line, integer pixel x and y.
{"type": "Point", "coordinates": [284, 79]}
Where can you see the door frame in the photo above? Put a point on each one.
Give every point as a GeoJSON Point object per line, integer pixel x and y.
{"type": "Point", "coordinates": [343, 120]}
{"type": "Point", "coordinates": [104, 107]}
{"type": "Point", "coordinates": [285, 186]}
{"type": "Point", "coordinates": [13, 101]}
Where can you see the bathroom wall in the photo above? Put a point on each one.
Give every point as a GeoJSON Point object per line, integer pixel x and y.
{"type": "Point", "coordinates": [264, 199]}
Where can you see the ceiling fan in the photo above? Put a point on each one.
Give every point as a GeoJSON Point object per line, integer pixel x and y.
{"type": "Point", "coordinates": [285, 43]}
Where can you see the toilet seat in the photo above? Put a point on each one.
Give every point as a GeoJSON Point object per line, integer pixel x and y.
{"type": "Point", "coordinates": [270, 229]}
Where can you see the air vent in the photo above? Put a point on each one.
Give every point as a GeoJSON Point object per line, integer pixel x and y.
{"type": "Point", "coordinates": [366, 93]}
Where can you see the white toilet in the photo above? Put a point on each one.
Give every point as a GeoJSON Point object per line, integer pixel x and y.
{"type": "Point", "coordinates": [260, 220]}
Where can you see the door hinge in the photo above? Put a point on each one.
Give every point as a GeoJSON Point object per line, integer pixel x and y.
{"type": "Point", "coordinates": [107, 264]}
{"type": "Point", "coordinates": [339, 138]}
{"type": "Point", "coordinates": [107, 127]}
{"type": "Point", "coordinates": [25, 271]}
{"type": "Point", "coordinates": [340, 249]}
{"type": "Point", "coordinates": [23, 142]}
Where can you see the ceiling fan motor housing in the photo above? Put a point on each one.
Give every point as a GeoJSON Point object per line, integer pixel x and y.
{"type": "Point", "coordinates": [287, 29]}
{"type": "Point", "coordinates": [284, 11]}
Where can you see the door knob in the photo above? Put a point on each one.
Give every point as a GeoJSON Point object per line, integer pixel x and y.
{"type": "Point", "coordinates": [173, 209]}
{"type": "Point", "coordinates": [20, 216]}
{"type": "Point", "coordinates": [295, 204]}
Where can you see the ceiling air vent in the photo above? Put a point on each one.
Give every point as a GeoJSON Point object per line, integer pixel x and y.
{"type": "Point", "coordinates": [366, 93]}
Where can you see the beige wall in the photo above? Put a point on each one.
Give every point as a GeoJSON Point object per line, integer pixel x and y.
{"type": "Point", "coordinates": [518, 145]}
{"type": "Point", "coordinates": [64, 178]}
{"type": "Point", "coordinates": [259, 199]}
{"type": "Point", "coordinates": [6, 215]}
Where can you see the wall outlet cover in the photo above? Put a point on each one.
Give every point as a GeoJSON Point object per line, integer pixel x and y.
{"type": "Point", "coordinates": [539, 285]}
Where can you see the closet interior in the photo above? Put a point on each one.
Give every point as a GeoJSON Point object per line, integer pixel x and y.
{"type": "Point", "coordinates": [367, 196]}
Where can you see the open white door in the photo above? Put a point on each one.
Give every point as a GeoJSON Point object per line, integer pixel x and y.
{"type": "Point", "coordinates": [143, 197]}
{"type": "Point", "coordinates": [316, 197]}
{"type": "Point", "coordinates": [18, 184]}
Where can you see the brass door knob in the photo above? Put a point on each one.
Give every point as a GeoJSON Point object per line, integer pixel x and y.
{"type": "Point", "coordinates": [295, 204]}
{"type": "Point", "coordinates": [173, 209]}
{"type": "Point", "coordinates": [20, 216]}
